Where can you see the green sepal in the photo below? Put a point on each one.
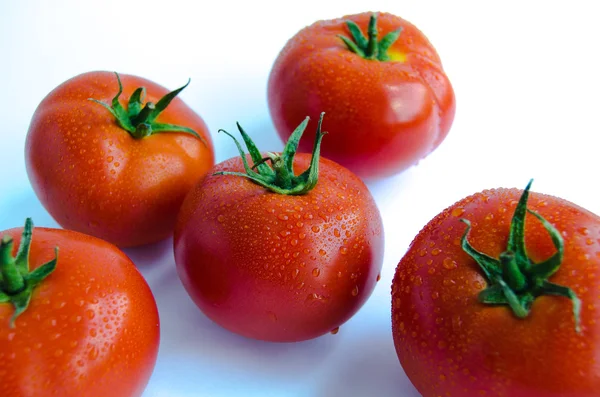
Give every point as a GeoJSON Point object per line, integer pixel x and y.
{"type": "Point", "coordinates": [17, 283]}
{"type": "Point", "coordinates": [369, 47]}
{"type": "Point", "coordinates": [134, 106]}
{"type": "Point", "coordinates": [140, 120]}
{"type": "Point", "coordinates": [4, 298]}
{"type": "Point", "coordinates": [280, 177]}
{"type": "Point", "coordinates": [513, 279]}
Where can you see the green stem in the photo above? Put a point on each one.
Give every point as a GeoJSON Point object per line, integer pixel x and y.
{"type": "Point", "coordinates": [513, 279]}
{"type": "Point", "coordinates": [369, 48]}
{"type": "Point", "coordinates": [280, 177]}
{"type": "Point", "coordinates": [17, 282]}
{"type": "Point", "coordinates": [12, 280]}
{"type": "Point", "coordinates": [140, 121]}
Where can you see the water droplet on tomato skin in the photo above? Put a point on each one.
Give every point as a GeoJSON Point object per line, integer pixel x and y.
{"type": "Point", "coordinates": [449, 264]}
{"type": "Point", "coordinates": [316, 272]}
{"type": "Point", "coordinates": [355, 290]}
{"type": "Point", "coordinates": [458, 211]}
{"type": "Point", "coordinates": [335, 331]}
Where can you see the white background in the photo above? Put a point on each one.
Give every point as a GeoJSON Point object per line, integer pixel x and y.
{"type": "Point", "coordinates": [527, 82]}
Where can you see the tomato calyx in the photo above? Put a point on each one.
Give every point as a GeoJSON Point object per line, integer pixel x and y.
{"type": "Point", "coordinates": [280, 177]}
{"type": "Point", "coordinates": [140, 119]}
{"type": "Point", "coordinates": [16, 281]}
{"type": "Point", "coordinates": [369, 48]}
{"type": "Point", "coordinates": [514, 279]}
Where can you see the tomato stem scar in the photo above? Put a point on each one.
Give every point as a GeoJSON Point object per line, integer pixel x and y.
{"type": "Point", "coordinates": [369, 48]}
{"type": "Point", "coordinates": [16, 281]}
{"type": "Point", "coordinates": [140, 121]}
{"type": "Point", "coordinates": [514, 279]}
{"type": "Point", "coordinates": [280, 177]}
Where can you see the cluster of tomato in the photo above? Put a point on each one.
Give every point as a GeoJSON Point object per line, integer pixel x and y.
{"type": "Point", "coordinates": [288, 246]}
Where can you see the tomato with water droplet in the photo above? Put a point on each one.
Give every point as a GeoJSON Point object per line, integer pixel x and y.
{"type": "Point", "coordinates": [222, 265]}
{"type": "Point", "coordinates": [77, 322]}
{"type": "Point", "coordinates": [113, 156]}
{"type": "Point", "coordinates": [510, 310]}
{"type": "Point", "coordinates": [381, 82]}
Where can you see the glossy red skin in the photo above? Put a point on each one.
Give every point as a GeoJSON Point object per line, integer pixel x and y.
{"type": "Point", "coordinates": [91, 329]}
{"type": "Point", "coordinates": [451, 345]}
{"type": "Point", "coordinates": [275, 267]}
{"type": "Point", "coordinates": [383, 117]}
{"type": "Point", "coordinates": [93, 177]}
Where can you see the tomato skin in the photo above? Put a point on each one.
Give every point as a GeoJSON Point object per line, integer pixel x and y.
{"type": "Point", "coordinates": [449, 344]}
{"type": "Point", "coordinates": [277, 267]}
{"type": "Point", "coordinates": [92, 326]}
{"type": "Point", "coordinates": [92, 176]}
{"type": "Point", "coordinates": [383, 117]}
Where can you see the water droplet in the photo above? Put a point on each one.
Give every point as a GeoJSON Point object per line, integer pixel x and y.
{"type": "Point", "coordinates": [355, 290]}
{"type": "Point", "coordinates": [293, 242]}
{"type": "Point", "coordinates": [316, 229]}
{"type": "Point", "coordinates": [583, 230]}
{"type": "Point", "coordinates": [458, 211]}
{"type": "Point", "coordinates": [435, 251]}
{"type": "Point", "coordinates": [93, 332]}
{"type": "Point", "coordinates": [283, 217]}
{"type": "Point", "coordinates": [220, 218]}
{"type": "Point", "coordinates": [93, 353]}
{"type": "Point", "coordinates": [378, 277]}
{"type": "Point", "coordinates": [449, 263]}
{"type": "Point", "coordinates": [316, 272]}
{"type": "Point", "coordinates": [418, 280]}
{"type": "Point", "coordinates": [110, 159]}
{"type": "Point", "coordinates": [343, 250]}
{"type": "Point", "coordinates": [336, 232]}
{"type": "Point", "coordinates": [322, 252]}
{"type": "Point", "coordinates": [335, 330]}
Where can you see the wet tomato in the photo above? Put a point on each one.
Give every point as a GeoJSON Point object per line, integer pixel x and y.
{"type": "Point", "coordinates": [117, 172]}
{"type": "Point", "coordinates": [388, 100]}
{"type": "Point", "coordinates": [498, 296]}
{"type": "Point", "coordinates": [77, 319]}
{"type": "Point", "coordinates": [286, 252]}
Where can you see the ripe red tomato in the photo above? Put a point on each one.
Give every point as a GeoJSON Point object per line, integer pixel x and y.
{"type": "Point", "coordinates": [117, 174]}
{"type": "Point", "coordinates": [88, 323]}
{"type": "Point", "coordinates": [277, 256]}
{"type": "Point", "coordinates": [484, 310]}
{"type": "Point", "coordinates": [389, 102]}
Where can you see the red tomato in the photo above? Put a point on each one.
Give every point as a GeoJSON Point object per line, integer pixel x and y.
{"type": "Point", "coordinates": [389, 102]}
{"type": "Point", "coordinates": [91, 328]}
{"type": "Point", "coordinates": [485, 310]}
{"type": "Point", "coordinates": [277, 256]}
{"type": "Point", "coordinates": [121, 178]}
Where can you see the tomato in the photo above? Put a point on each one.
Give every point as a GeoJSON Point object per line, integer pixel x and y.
{"type": "Point", "coordinates": [498, 296]}
{"type": "Point", "coordinates": [284, 253]}
{"type": "Point", "coordinates": [82, 323]}
{"type": "Point", "coordinates": [389, 102]}
{"type": "Point", "coordinates": [114, 173]}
